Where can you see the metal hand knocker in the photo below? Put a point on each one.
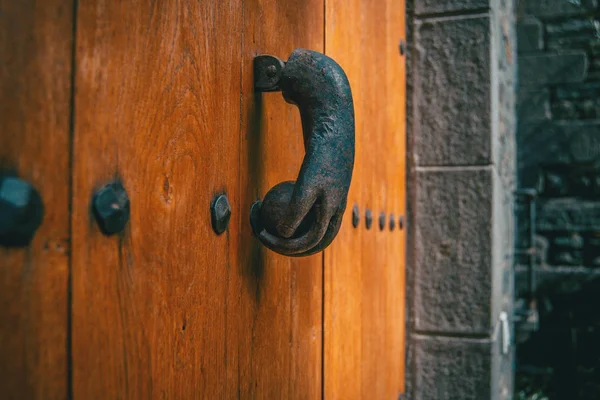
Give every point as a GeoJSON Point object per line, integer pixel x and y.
{"type": "Point", "coordinates": [303, 217]}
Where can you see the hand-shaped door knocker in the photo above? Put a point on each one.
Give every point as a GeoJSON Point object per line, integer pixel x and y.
{"type": "Point", "coordinates": [303, 217]}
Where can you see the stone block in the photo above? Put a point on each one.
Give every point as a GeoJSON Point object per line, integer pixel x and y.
{"type": "Point", "coordinates": [572, 26]}
{"type": "Point", "coordinates": [557, 280]}
{"type": "Point", "coordinates": [568, 215]}
{"type": "Point", "coordinates": [557, 8]}
{"type": "Point", "coordinates": [553, 68]}
{"type": "Point", "coordinates": [594, 67]}
{"type": "Point", "coordinates": [444, 6]}
{"type": "Point", "coordinates": [550, 142]}
{"type": "Point", "coordinates": [581, 91]}
{"type": "Point", "coordinates": [584, 141]}
{"type": "Point", "coordinates": [452, 368]}
{"type": "Point", "coordinates": [453, 250]}
{"type": "Point", "coordinates": [530, 36]}
{"type": "Point", "coordinates": [538, 142]}
{"type": "Point", "coordinates": [452, 88]}
{"type": "Point", "coordinates": [573, 33]}
{"type": "Point", "coordinates": [533, 105]}
{"type": "Point", "coordinates": [577, 101]}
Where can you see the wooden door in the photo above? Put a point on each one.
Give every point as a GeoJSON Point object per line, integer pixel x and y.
{"type": "Point", "coordinates": [159, 96]}
{"type": "Point", "coordinates": [35, 94]}
{"type": "Point", "coordinates": [364, 268]}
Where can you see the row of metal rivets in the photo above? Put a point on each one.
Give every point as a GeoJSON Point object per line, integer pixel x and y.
{"type": "Point", "coordinates": [383, 219]}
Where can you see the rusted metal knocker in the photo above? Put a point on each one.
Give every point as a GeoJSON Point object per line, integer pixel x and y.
{"type": "Point", "coordinates": [302, 217]}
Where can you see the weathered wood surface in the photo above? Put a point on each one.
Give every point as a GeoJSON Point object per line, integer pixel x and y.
{"type": "Point", "coordinates": [364, 268]}
{"type": "Point", "coordinates": [35, 93]}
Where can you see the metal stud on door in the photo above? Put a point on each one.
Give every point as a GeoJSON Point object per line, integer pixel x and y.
{"type": "Point", "coordinates": [21, 212]}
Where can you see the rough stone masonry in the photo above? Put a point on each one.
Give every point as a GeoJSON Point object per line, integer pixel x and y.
{"type": "Point", "coordinates": [558, 146]}
{"type": "Point", "coordinates": [462, 175]}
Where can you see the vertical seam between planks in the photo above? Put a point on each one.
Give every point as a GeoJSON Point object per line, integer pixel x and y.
{"type": "Point", "coordinates": [323, 260]}
{"type": "Point", "coordinates": [69, 327]}
{"type": "Point", "coordinates": [240, 169]}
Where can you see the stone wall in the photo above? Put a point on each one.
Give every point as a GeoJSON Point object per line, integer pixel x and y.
{"type": "Point", "coordinates": [461, 176]}
{"type": "Point", "coordinates": [558, 146]}
{"type": "Point", "coordinates": [559, 127]}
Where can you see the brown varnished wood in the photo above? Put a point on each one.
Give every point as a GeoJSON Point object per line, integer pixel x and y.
{"type": "Point", "coordinates": [281, 324]}
{"type": "Point", "coordinates": [156, 309]}
{"type": "Point", "coordinates": [168, 309]}
{"type": "Point", "coordinates": [342, 260]}
{"type": "Point", "coordinates": [364, 269]}
{"type": "Point", "coordinates": [35, 91]}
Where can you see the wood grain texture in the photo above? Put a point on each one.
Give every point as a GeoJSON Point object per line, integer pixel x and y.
{"type": "Point", "coordinates": [156, 309]}
{"type": "Point", "coordinates": [342, 261]}
{"type": "Point", "coordinates": [364, 269]}
{"type": "Point", "coordinates": [35, 91]}
{"type": "Point", "coordinates": [168, 309]}
{"type": "Point", "coordinates": [282, 324]}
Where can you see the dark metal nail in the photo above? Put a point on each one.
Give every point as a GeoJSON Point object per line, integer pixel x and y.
{"type": "Point", "coordinates": [220, 211]}
{"type": "Point", "coordinates": [271, 71]}
{"type": "Point", "coordinates": [21, 212]}
{"type": "Point", "coordinates": [402, 47]}
{"type": "Point", "coordinates": [111, 208]}
{"type": "Point", "coordinates": [368, 218]}
{"type": "Point", "coordinates": [355, 216]}
{"type": "Point", "coordinates": [382, 221]}
{"type": "Point", "coordinates": [392, 222]}
{"type": "Point", "coordinates": [401, 222]}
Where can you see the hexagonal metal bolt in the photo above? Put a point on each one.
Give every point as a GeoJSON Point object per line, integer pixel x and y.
{"type": "Point", "coordinates": [21, 212]}
{"type": "Point", "coordinates": [355, 216]}
{"type": "Point", "coordinates": [111, 208]}
{"type": "Point", "coordinates": [382, 220]}
{"type": "Point", "coordinates": [368, 218]}
{"type": "Point", "coordinates": [402, 47]}
{"type": "Point", "coordinates": [220, 211]}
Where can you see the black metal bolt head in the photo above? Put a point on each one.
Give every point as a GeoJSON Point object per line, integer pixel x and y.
{"type": "Point", "coordinates": [402, 47]}
{"type": "Point", "coordinates": [368, 218]}
{"type": "Point", "coordinates": [401, 222]}
{"type": "Point", "coordinates": [111, 208]}
{"type": "Point", "coordinates": [220, 212]}
{"type": "Point", "coordinates": [21, 212]}
{"type": "Point", "coordinates": [392, 222]}
{"type": "Point", "coordinates": [355, 216]}
{"type": "Point", "coordinates": [382, 221]}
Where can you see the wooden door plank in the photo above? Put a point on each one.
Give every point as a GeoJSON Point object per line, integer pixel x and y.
{"type": "Point", "coordinates": [281, 328]}
{"type": "Point", "coordinates": [156, 309]}
{"type": "Point", "coordinates": [343, 259]}
{"type": "Point", "coordinates": [365, 290]}
{"type": "Point", "coordinates": [167, 308]}
{"type": "Point", "coordinates": [35, 92]}
{"type": "Point", "coordinates": [383, 282]}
